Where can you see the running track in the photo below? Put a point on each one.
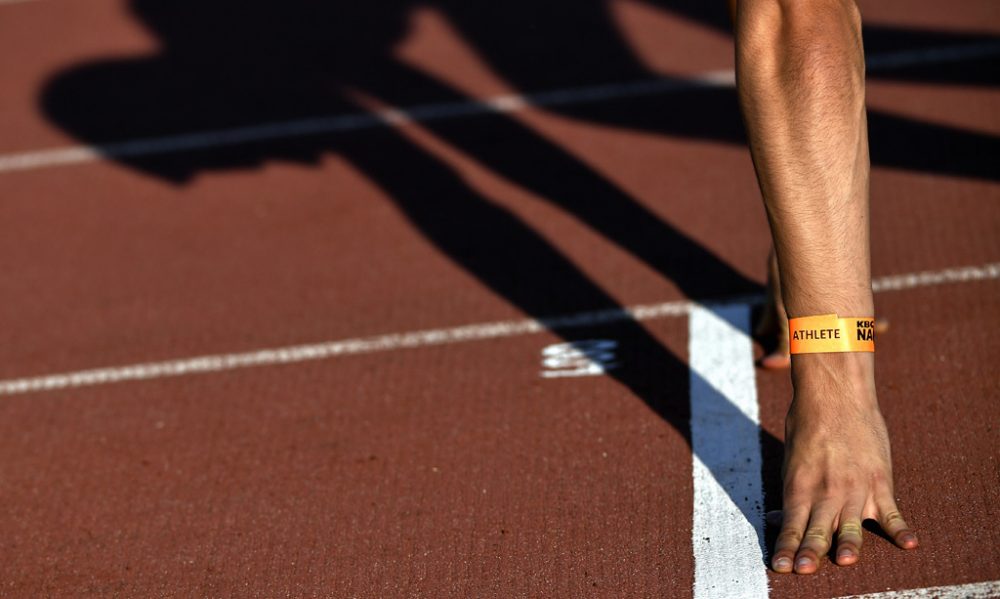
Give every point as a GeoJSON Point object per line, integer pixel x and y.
{"type": "Point", "coordinates": [252, 349]}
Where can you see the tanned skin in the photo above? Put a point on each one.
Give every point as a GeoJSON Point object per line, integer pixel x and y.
{"type": "Point", "coordinates": [800, 79]}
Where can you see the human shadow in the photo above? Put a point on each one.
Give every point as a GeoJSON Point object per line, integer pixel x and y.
{"type": "Point", "coordinates": [230, 65]}
{"type": "Point", "coordinates": [227, 64]}
{"type": "Point", "coordinates": [550, 37]}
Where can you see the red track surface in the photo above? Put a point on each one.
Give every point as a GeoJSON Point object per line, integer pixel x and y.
{"type": "Point", "coordinates": [452, 470]}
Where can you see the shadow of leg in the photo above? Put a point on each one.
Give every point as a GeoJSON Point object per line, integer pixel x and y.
{"type": "Point", "coordinates": [519, 265]}
{"type": "Point", "coordinates": [519, 154]}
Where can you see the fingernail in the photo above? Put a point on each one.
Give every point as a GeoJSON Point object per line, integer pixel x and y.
{"type": "Point", "coordinates": [803, 562]}
{"type": "Point", "coordinates": [845, 553]}
{"type": "Point", "coordinates": [782, 563]}
{"type": "Point", "coordinates": [907, 538]}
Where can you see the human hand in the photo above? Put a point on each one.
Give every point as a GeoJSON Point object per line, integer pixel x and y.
{"type": "Point", "coordinates": [838, 468]}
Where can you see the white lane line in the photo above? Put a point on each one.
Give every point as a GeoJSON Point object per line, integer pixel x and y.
{"type": "Point", "coordinates": [330, 349]}
{"type": "Point", "coordinates": [727, 529]}
{"type": "Point", "coordinates": [973, 590]}
{"type": "Point", "coordinates": [433, 112]}
{"type": "Point", "coordinates": [473, 332]}
{"type": "Point", "coordinates": [936, 277]}
{"type": "Point", "coordinates": [392, 117]}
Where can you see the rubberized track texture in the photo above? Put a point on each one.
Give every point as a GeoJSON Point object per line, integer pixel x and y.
{"type": "Point", "coordinates": [453, 299]}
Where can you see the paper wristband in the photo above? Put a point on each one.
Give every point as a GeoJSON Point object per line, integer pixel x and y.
{"type": "Point", "coordinates": [827, 334]}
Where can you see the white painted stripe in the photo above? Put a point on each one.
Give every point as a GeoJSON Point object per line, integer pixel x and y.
{"type": "Point", "coordinates": [727, 531]}
{"type": "Point", "coordinates": [393, 341]}
{"type": "Point", "coordinates": [330, 349]}
{"type": "Point", "coordinates": [349, 122]}
{"type": "Point", "coordinates": [433, 112]}
{"type": "Point", "coordinates": [973, 590]}
{"type": "Point", "coordinates": [936, 277]}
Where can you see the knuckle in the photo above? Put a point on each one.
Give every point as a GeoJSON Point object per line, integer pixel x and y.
{"type": "Point", "coordinates": [893, 517]}
{"type": "Point", "coordinates": [817, 534]}
{"type": "Point", "coordinates": [880, 479]}
{"type": "Point", "coordinates": [850, 526]}
{"type": "Point", "coordinates": [844, 487]}
{"type": "Point", "coordinates": [854, 482]}
{"type": "Point", "coordinates": [790, 537]}
{"type": "Point", "coordinates": [796, 490]}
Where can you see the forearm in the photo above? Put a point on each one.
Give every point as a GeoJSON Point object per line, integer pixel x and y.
{"type": "Point", "coordinates": [800, 78]}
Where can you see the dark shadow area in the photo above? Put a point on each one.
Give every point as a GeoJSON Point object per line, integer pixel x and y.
{"type": "Point", "coordinates": [227, 64]}
{"type": "Point", "coordinates": [548, 55]}
{"type": "Point", "coordinates": [875, 528]}
{"type": "Point", "coordinates": [771, 456]}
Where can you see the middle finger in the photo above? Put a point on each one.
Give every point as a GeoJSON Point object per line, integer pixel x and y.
{"type": "Point", "coordinates": [817, 538]}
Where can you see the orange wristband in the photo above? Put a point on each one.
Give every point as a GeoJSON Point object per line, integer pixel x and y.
{"type": "Point", "coordinates": [827, 334]}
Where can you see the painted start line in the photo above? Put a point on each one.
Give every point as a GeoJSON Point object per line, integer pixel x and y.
{"type": "Point", "coordinates": [431, 337]}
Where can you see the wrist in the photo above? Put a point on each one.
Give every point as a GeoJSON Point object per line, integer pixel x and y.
{"type": "Point", "coordinates": [835, 378]}
{"type": "Point", "coordinates": [860, 306]}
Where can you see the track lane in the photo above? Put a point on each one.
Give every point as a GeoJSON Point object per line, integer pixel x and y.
{"type": "Point", "coordinates": [438, 473]}
{"type": "Point", "coordinates": [188, 273]}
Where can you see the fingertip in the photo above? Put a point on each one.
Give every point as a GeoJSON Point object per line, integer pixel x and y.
{"type": "Point", "coordinates": [907, 540]}
{"type": "Point", "coordinates": [776, 361]}
{"type": "Point", "coordinates": [805, 565]}
{"type": "Point", "coordinates": [782, 564]}
{"type": "Point", "coordinates": [881, 326]}
{"type": "Point", "coordinates": [847, 557]}
{"type": "Point", "coordinates": [897, 528]}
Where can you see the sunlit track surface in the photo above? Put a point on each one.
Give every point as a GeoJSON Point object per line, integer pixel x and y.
{"type": "Point", "coordinates": [421, 345]}
{"type": "Point", "coordinates": [394, 341]}
{"type": "Point", "coordinates": [436, 112]}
